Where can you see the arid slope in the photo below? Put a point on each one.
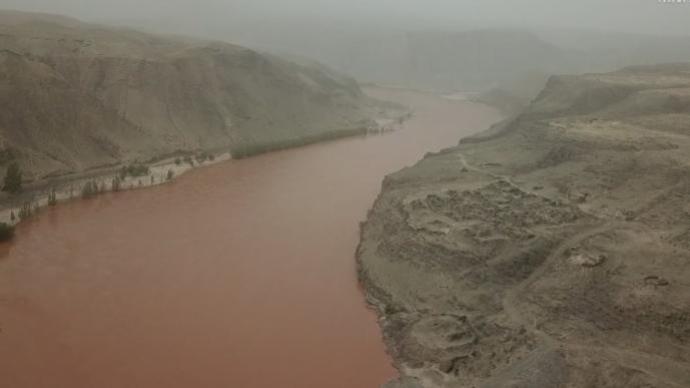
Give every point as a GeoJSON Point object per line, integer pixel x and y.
{"type": "Point", "coordinates": [77, 96]}
{"type": "Point", "coordinates": [550, 251]}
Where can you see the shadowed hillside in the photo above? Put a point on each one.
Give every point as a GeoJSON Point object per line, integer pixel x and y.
{"type": "Point", "coordinates": [77, 96]}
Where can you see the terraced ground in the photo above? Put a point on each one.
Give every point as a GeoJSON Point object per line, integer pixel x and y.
{"type": "Point", "coordinates": [552, 250]}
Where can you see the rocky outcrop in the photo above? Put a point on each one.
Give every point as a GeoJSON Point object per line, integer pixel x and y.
{"type": "Point", "coordinates": [77, 96]}
{"type": "Point", "coordinates": [551, 251]}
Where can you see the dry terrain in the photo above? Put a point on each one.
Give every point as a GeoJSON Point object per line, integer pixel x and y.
{"type": "Point", "coordinates": [552, 250]}
{"type": "Point", "coordinates": [78, 97]}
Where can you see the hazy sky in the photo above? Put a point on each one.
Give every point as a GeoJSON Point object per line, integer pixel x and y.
{"type": "Point", "coordinates": [625, 15]}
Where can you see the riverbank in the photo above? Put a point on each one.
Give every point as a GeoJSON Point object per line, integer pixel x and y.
{"type": "Point", "coordinates": [37, 195]}
{"type": "Point", "coordinates": [233, 264]}
{"type": "Point", "coordinates": [192, 95]}
{"type": "Point", "coordinates": [550, 251]}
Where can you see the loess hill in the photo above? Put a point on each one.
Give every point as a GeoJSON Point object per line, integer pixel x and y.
{"type": "Point", "coordinates": [77, 96]}
{"type": "Point", "coordinates": [550, 251]}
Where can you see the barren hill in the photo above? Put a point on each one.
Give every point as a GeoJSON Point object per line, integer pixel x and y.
{"type": "Point", "coordinates": [447, 61]}
{"type": "Point", "coordinates": [476, 60]}
{"type": "Point", "coordinates": [550, 251]}
{"type": "Point", "coordinates": [77, 96]}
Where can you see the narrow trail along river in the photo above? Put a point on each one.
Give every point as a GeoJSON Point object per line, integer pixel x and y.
{"type": "Point", "coordinates": [237, 275]}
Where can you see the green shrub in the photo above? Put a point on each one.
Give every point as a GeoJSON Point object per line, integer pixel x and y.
{"type": "Point", "coordinates": [116, 184]}
{"type": "Point", "coordinates": [170, 175]}
{"type": "Point", "coordinates": [134, 170]}
{"type": "Point", "coordinates": [89, 189]}
{"type": "Point", "coordinates": [205, 156]}
{"type": "Point", "coordinates": [6, 231]}
{"type": "Point", "coordinates": [26, 210]}
{"type": "Point", "coordinates": [52, 197]}
{"type": "Point", "coordinates": [13, 179]}
{"type": "Point", "coordinates": [245, 150]}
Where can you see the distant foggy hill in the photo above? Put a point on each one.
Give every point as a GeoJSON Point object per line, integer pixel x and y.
{"type": "Point", "coordinates": [469, 60]}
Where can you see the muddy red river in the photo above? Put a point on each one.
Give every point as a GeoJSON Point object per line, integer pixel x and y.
{"type": "Point", "coordinates": [241, 274]}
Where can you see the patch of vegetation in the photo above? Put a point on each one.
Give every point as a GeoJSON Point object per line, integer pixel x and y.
{"type": "Point", "coordinates": [205, 156]}
{"type": "Point", "coordinates": [52, 197]}
{"type": "Point", "coordinates": [13, 179]}
{"type": "Point", "coordinates": [90, 189]}
{"type": "Point", "coordinates": [134, 170]}
{"type": "Point", "coordinates": [170, 175]}
{"type": "Point", "coordinates": [116, 183]}
{"type": "Point", "coordinates": [6, 231]}
{"type": "Point", "coordinates": [250, 149]}
{"type": "Point", "coordinates": [26, 210]}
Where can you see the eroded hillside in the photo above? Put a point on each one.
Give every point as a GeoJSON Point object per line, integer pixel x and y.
{"type": "Point", "coordinates": [550, 251]}
{"type": "Point", "coordinates": [77, 96]}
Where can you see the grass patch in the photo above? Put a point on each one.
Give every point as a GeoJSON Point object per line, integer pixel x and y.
{"type": "Point", "coordinates": [246, 150]}
{"type": "Point", "coordinates": [134, 170]}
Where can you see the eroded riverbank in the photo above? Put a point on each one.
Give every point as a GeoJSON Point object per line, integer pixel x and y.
{"type": "Point", "coordinates": [551, 251]}
{"type": "Point", "coordinates": [239, 274]}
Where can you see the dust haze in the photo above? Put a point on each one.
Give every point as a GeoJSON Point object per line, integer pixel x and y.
{"type": "Point", "coordinates": [211, 16]}
{"type": "Point", "coordinates": [542, 241]}
{"type": "Point", "coordinates": [438, 45]}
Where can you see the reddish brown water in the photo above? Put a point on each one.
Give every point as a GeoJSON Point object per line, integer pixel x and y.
{"type": "Point", "coordinates": [237, 275]}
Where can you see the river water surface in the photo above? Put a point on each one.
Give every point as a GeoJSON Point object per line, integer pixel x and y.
{"type": "Point", "coordinates": [236, 275]}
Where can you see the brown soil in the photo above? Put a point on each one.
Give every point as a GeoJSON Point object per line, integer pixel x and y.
{"type": "Point", "coordinates": [78, 97]}
{"type": "Point", "coordinates": [550, 251]}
